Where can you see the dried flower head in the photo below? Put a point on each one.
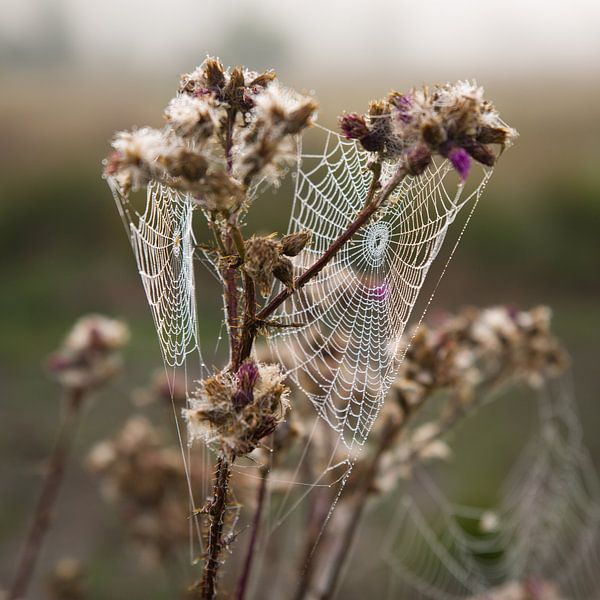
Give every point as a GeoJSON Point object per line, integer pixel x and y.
{"type": "Point", "coordinates": [267, 146]}
{"type": "Point", "coordinates": [262, 256]}
{"type": "Point", "coordinates": [66, 580]}
{"type": "Point", "coordinates": [476, 348]}
{"type": "Point", "coordinates": [147, 480]}
{"type": "Point", "coordinates": [234, 412]}
{"type": "Point", "coordinates": [293, 243]}
{"type": "Point", "coordinates": [132, 162]}
{"type": "Point", "coordinates": [90, 355]}
{"type": "Point", "coordinates": [451, 120]}
{"type": "Point", "coordinates": [191, 118]}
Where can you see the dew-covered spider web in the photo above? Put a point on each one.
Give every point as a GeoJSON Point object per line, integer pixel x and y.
{"type": "Point", "coordinates": [344, 346]}
{"type": "Point", "coordinates": [163, 244]}
{"type": "Point", "coordinates": [543, 534]}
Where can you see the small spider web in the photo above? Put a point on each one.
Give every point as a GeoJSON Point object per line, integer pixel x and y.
{"type": "Point", "coordinates": [545, 528]}
{"type": "Point", "coordinates": [163, 244]}
{"type": "Point", "coordinates": [345, 353]}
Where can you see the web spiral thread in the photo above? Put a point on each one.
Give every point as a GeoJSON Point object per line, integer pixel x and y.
{"type": "Point", "coordinates": [344, 347]}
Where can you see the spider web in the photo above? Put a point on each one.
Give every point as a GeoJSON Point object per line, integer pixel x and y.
{"type": "Point", "coordinates": [546, 525]}
{"type": "Point", "coordinates": [163, 244]}
{"type": "Point", "coordinates": [344, 347]}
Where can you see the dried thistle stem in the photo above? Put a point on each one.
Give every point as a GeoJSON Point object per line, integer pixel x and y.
{"type": "Point", "coordinates": [244, 579]}
{"type": "Point", "coordinates": [372, 203]}
{"type": "Point", "coordinates": [53, 479]}
{"type": "Point", "coordinates": [216, 513]}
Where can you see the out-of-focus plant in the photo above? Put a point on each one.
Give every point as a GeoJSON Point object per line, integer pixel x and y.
{"type": "Point", "coordinates": [462, 360]}
{"type": "Point", "coordinates": [532, 589]}
{"type": "Point", "coordinates": [450, 368]}
{"type": "Point", "coordinates": [66, 580]}
{"type": "Point", "coordinates": [89, 358]}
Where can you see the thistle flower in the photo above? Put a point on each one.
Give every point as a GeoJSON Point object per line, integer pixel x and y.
{"type": "Point", "coordinates": [476, 347]}
{"type": "Point", "coordinates": [217, 417]}
{"type": "Point", "coordinates": [267, 147]}
{"type": "Point", "coordinates": [191, 118]}
{"type": "Point", "coordinates": [293, 243]}
{"type": "Point", "coordinates": [229, 88]}
{"type": "Point", "coordinates": [132, 162]}
{"type": "Point", "coordinates": [89, 356]}
{"type": "Point", "coordinates": [147, 480]}
{"type": "Point", "coordinates": [453, 121]}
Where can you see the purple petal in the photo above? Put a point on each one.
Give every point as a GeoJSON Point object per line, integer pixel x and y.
{"type": "Point", "coordinates": [461, 161]}
{"type": "Point", "coordinates": [246, 375]}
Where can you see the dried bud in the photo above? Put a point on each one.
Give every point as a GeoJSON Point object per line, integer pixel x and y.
{"type": "Point", "coordinates": [262, 254]}
{"type": "Point", "coordinates": [234, 90]}
{"type": "Point", "coordinates": [214, 75]}
{"type": "Point", "coordinates": [184, 163]}
{"type": "Point", "coordinates": [480, 152]}
{"type": "Point", "coordinates": [433, 133]}
{"type": "Point", "coordinates": [377, 108]}
{"type": "Point", "coordinates": [353, 126]}
{"type": "Point", "coordinates": [300, 117]}
{"type": "Point", "coordinates": [284, 271]}
{"type": "Point", "coordinates": [493, 135]}
{"type": "Point", "coordinates": [418, 158]}
{"type": "Point", "coordinates": [264, 79]}
{"type": "Point", "coordinates": [293, 243]}
{"type": "Point", "coordinates": [217, 191]}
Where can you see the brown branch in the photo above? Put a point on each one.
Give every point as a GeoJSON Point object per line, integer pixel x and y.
{"type": "Point", "coordinates": [372, 204]}
{"type": "Point", "coordinates": [216, 513]}
{"type": "Point", "coordinates": [256, 521]}
{"type": "Point", "coordinates": [250, 326]}
{"type": "Point", "coordinates": [317, 517]}
{"type": "Point", "coordinates": [42, 515]}
{"type": "Point", "coordinates": [390, 433]}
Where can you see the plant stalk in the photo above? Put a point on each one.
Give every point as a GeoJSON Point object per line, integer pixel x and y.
{"type": "Point", "coordinates": [242, 586]}
{"type": "Point", "coordinates": [42, 515]}
{"type": "Point", "coordinates": [345, 543]}
{"type": "Point", "coordinates": [216, 513]}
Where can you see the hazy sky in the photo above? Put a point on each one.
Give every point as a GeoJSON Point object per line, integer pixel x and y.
{"type": "Point", "coordinates": [509, 36]}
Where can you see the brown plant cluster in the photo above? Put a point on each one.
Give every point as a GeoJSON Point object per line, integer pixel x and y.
{"type": "Point", "coordinates": [225, 129]}
{"type": "Point", "coordinates": [267, 257]}
{"type": "Point", "coordinates": [476, 347]}
{"type": "Point", "coordinates": [234, 412]}
{"type": "Point", "coordinates": [90, 355]}
{"type": "Point", "coordinates": [146, 479]}
{"type": "Point", "coordinates": [451, 120]}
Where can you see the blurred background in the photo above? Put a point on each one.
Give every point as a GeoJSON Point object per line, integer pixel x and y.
{"type": "Point", "coordinates": [73, 72]}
